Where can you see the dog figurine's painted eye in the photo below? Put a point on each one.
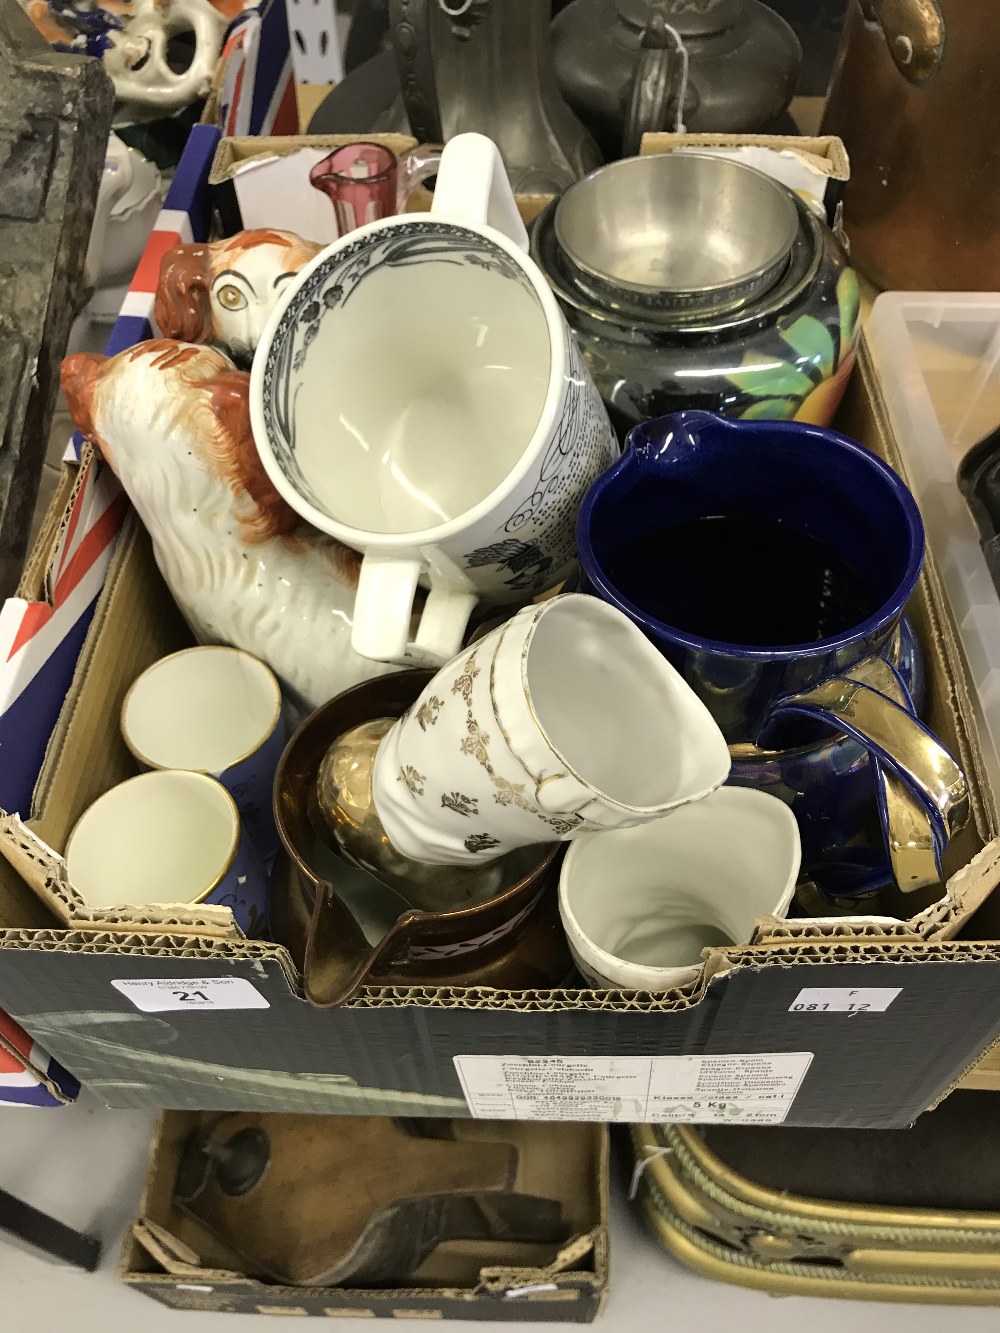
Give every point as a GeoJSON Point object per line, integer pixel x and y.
{"type": "Point", "coordinates": [231, 298]}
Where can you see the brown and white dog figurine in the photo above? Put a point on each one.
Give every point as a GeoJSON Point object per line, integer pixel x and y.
{"type": "Point", "coordinates": [172, 421]}
{"type": "Point", "coordinates": [222, 292]}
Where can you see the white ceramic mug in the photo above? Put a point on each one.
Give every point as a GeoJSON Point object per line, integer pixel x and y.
{"type": "Point", "coordinates": [564, 719]}
{"type": "Point", "coordinates": [418, 395]}
{"type": "Point", "coordinates": [640, 904]}
{"type": "Point", "coordinates": [170, 838]}
{"type": "Point", "coordinates": [214, 710]}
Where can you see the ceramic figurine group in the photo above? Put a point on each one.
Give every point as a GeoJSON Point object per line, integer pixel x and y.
{"type": "Point", "coordinates": [132, 38]}
{"type": "Point", "coordinates": [381, 470]}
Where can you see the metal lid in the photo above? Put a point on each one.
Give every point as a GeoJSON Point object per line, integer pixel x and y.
{"type": "Point", "coordinates": [691, 18]}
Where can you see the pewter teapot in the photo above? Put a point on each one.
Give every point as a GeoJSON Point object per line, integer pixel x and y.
{"type": "Point", "coordinates": [631, 66]}
{"type": "Point", "coordinates": [486, 65]}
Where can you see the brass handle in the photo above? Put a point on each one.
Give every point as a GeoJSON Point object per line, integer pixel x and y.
{"type": "Point", "coordinates": [909, 834]}
{"type": "Point", "coordinates": [900, 742]}
{"type": "Point", "coordinates": [914, 33]}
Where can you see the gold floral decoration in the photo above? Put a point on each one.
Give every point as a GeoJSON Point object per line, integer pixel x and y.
{"type": "Point", "coordinates": [427, 713]}
{"type": "Point", "coordinates": [463, 684]}
{"type": "Point", "coordinates": [413, 780]}
{"type": "Point", "coordinates": [476, 742]}
{"type": "Point", "coordinates": [481, 842]}
{"type": "Point", "coordinates": [462, 805]}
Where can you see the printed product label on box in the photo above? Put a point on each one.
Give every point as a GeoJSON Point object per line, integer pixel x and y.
{"type": "Point", "coordinates": [160, 994]}
{"type": "Point", "coordinates": [839, 1000]}
{"type": "Point", "coordinates": [689, 1089]}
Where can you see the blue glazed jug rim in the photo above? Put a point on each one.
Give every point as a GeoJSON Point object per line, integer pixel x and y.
{"type": "Point", "coordinates": [634, 459]}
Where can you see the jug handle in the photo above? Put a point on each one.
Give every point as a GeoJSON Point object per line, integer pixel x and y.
{"type": "Point", "coordinates": [912, 840]}
{"type": "Point", "coordinates": [383, 613]}
{"type": "Point", "coordinates": [659, 79]}
{"type": "Point", "coordinates": [914, 33]}
{"type": "Point", "coordinates": [897, 741]}
{"type": "Point", "coordinates": [472, 186]}
{"type": "Point", "coordinates": [914, 849]}
{"type": "Point", "coordinates": [414, 167]}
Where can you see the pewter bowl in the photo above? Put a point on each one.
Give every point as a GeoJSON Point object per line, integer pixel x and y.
{"type": "Point", "coordinates": [677, 231]}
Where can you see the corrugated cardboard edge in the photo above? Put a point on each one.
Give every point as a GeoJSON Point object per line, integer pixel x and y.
{"type": "Point", "coordinates": [131, 940]}
{"type": "Point", "coordinates": [824, 153]}
{"type": "Point", "coordinates": [235, 152]}
{"type": "Point", "coordinates": [38, 865]}
{"type": "Point", "coordinates": [44, 871]}
{"type": "Point", "coordinates": [984, 1073]}
{"type": "Point", "coordinates": [138, 939]}
{"type": "Point", "coordinates": [752, 957]}
{"type": "Point", "coordinates": [595, 1243]}
{"type": "Point", "coordinates": [966, 891]}
{"type": "Point", "coordinates": [211, 112]}
{"type": "Point", "coordinates": [523, 1285]}
{"type": "Point", "coordinates": [127, 537]}
{"type": "Point", "coordinates": [34, 584]}
{"type": "Point", "coordinates": [981, 1074]}
{"type": "Point", "coordinates": [173, 1256]}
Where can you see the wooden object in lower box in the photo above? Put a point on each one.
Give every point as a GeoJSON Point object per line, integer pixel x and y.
{"type": "Point", "coordinates": [174, 1259]}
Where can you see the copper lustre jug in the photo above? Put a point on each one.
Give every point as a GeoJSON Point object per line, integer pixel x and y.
{"type": "Point", "coordinates": [915, 98]}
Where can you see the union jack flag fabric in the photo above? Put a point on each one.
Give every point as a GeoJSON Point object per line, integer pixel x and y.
{"type": "Point", "coordinates": [28, 1075]}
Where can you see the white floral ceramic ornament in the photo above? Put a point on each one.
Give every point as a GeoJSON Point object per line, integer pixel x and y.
{"type": "Point", "coordinates": [171, 420]}
{"type": "Point", "coordinates": [133, 38]}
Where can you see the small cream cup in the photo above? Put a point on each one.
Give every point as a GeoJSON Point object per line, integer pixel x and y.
{"type": "Point", "coordinates": [640, 904]}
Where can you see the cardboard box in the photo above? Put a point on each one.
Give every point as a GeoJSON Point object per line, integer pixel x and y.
{"type": "Point", "coordinates": [394, 1051]}
{"type": "Point", "coordinates": [101, 997]}
{"type": "Point", "coordinates": [173, 1259]}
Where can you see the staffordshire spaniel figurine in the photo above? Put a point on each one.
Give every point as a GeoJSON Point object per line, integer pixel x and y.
{"type": "Point", "coordinates": [172, 421]}
{"type": "Point", "coordinates": [222, 292]}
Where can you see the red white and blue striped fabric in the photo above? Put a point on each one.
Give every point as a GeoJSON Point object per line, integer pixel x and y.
{"type": "Point", "coordinates": [258, 95]}
{"type": "Point", "coordinates": [26, 1070]}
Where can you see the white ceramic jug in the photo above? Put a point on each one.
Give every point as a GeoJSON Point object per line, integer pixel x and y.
{"type": "Point", "coordinates": [563, 720]}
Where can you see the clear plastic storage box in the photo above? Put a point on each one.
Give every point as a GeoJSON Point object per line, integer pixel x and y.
{"type": "Point", "coordinates": [937, 355]}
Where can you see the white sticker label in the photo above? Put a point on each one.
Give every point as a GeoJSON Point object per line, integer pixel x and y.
{"type": "Point", "coordinates": [163, 993]}
{"type": "Point", "coordinates": [689, 1089]}
{"type": "Point", "coordinates": [828, 1000]}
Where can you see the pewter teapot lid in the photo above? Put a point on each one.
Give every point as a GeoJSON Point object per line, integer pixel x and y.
{"type": "Point", "coordinates": [691, 18]}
